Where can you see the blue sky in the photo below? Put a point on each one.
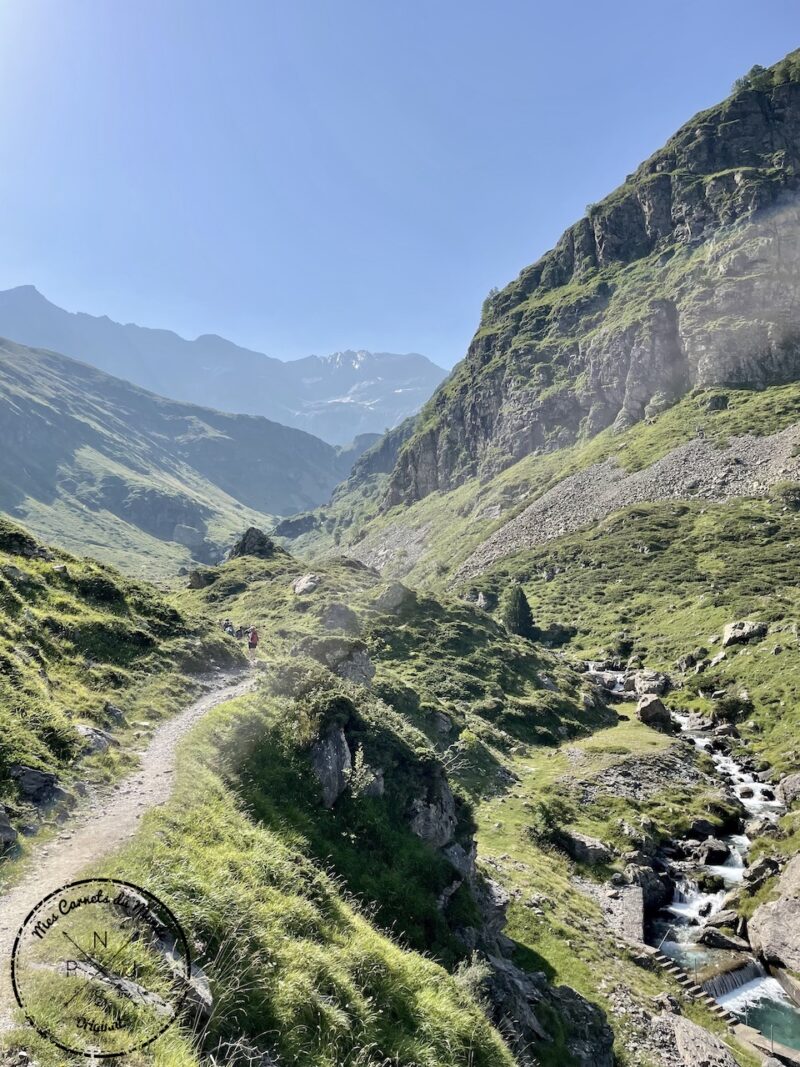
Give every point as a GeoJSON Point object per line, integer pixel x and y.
{"type": "Point", "coordinates": [313, 175]}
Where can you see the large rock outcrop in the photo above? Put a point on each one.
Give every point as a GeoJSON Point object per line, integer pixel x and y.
{"type": "Point", "coordinates": [774, 929]}
{"type": "Point", "coordinates": [695, 1046]}
{"type": "Point", "coordinates": [331, 763]}
{"type": "Point", "coordinates": [253, 542]}
{"type": "Point", "coordinates": [683, 277]}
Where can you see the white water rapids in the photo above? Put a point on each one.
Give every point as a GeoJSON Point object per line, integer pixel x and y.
{"type": "Point", "coordinates": [749, 992]}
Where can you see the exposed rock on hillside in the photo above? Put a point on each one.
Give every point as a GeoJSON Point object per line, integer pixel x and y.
{"type": "Point", "coordinates": [684, 276]}
{"type": "Point", "coordinates": [394, 598]}
{"type": "Point", "coordinates": [433, 817]}
{"type": "Point", "coordinates": [253, 542]}
{"type": "Point", "coordinates": [306, 583]}
{"type": "Point", "coordinates": [774, 929]}
{"type": "Point", "coordinates": [740, 633]}
{"type": "Point", "coordinates": [582, 848]}
{"type": "Point", "coordinates": [749, 466]}
{"type": "Point", "coordinates": [331, 763]}
{"type": "Point", "coordinates": [689, 1045]}
{"type": "Point", "coordinates": [652, 712]}
{"type": "Point", "coordinates": [344, 656]}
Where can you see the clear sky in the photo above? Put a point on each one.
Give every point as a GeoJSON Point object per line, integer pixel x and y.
{"type": "Point", "coordinates": [313, 175]}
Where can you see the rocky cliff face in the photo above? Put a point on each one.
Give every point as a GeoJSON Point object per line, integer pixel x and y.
{"type": "Point", "coordinates": [683, 277]}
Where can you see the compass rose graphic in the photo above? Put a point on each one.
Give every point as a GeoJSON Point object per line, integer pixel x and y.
{"type": "Point", "coordinates": [101, 967]}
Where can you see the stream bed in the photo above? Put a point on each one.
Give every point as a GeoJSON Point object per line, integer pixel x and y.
{"type": "Point", "coordinates": [735, 979]}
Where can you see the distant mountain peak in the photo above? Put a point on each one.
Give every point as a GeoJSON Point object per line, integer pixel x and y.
{"type": "Point", "coordinates": [335, 397]}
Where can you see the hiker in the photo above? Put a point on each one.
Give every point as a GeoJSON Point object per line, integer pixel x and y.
{"type": "Point", "coordinates": [252, 640]}
{"type": "Point", "coordinates": [239, 633]}
{"type": "Point", "coordinates": [227, 626]}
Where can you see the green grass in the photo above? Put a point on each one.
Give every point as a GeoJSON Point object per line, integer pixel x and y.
{"type": "Point", "coordinates": [74, 637]}
{"type": "Point", "coordinates": [510, 745]}
{"type": "Point", "coordinates": [450, 526]}
{"type": "Point", "coordinates": [295, 965]}
{"type": "Point", "coordinates": [658, 580]}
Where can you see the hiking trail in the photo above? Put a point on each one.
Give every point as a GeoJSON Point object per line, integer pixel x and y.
{"type": "Point", "coordinates": [109, 820]}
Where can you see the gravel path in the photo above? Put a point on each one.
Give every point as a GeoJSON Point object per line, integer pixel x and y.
{"type": "Point", "coordinates": [108, 822]}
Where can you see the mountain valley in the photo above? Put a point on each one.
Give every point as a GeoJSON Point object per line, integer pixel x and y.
{"type": "Point", "coordinates": [510, 774]}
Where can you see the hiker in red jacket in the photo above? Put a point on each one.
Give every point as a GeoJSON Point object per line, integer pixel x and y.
{"type": "Point", "coordinates": [252, 640]}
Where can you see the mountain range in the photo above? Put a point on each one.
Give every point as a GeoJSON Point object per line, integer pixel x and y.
{"type": "Point", "coordinates": [94, 463]}
{"type": "Point", "coordinates": [335, 397]}
{"type": "Point", "coordinates": [568, 740]}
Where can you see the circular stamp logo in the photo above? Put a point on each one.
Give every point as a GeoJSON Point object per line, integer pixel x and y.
{"type": "Point", "coordinates": [101, 968]}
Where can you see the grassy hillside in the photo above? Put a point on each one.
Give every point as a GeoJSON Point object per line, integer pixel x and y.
{"type": "Point", "coordinates": [76, 637]}
{"type": "Point", "coordinates": [657, 581]}
{"type": "Point", "coordinates": [99, 466]}
{"type": "Point", "coordinates": [427, 541]}
{"type": "Point", "coordinates": [504, 717]}
{"type": "Point", "coordinates": [297, 969]}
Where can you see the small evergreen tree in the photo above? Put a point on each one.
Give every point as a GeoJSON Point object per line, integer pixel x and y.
{"type": "Point", "coordinates": [516, 612]}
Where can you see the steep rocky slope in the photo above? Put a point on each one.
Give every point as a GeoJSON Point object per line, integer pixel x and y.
{"type": "Point", "coordinates": [684, 276]}
{"type": "Point", "coordinates": [335, 397]}
{"type": "Point", "coordinates": [94, 463]}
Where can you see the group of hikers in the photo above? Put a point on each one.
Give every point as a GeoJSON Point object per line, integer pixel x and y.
{"type": "Point", "coordinates": [242, 632]}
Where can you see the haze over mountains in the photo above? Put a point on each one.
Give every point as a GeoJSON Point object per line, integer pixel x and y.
{"type": "Point", "coordinates": [335, 397]}
{"type": "Point", "coordinates": [98, 465]}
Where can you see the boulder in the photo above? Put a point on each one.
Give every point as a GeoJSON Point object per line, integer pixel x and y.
{"type": "Point", "coordinates": [757, 873]}
{"type": "Point", "coordinates": [583, 848]}
{"type": "Point", "coordinates": [790, 789]}
{"type": "Point", "coordinates": [338, 616]}
{"type": "Point", "coordinates": [695, 1046]}
{"type": "Point", "coordinates": [713, 852]}
{"type": "Point", "coordinates": [40, 787]}
{"type": "Point", "coordinates": [331, 763]}
{"type": "Point", "coordinates": [253, 542]}
{"type": "Point", "coordinates": [512, 994]}
{"type": "Point", "coordinates": [589, 1039]}
{"type": "Point", "coordinates": [739, 633]}
{"type": "Point", "coordinates": [433, 816]}
{"type": "Point", "coordinates": [95, 739]}
{"type": "Point", "coordinates": [713, 937]}
{"type": "Point", "coordinates": [115, 714]}
{"type": "Point", "coordinates": [648, 681]}
{"type": "Point", "coordinates": [394, 598]}
{"type": "Point", "coordinates": [15, 575]}
{"type": "Point", "coordinates": [652, 712]}
{"type": "Point", "coordinates": [305, 584]}
{"type": "Point", "coordinates": [701, 829]}
{"type": "Point", "coordinates": [728, 917]}
{"type": "Point", "coordinates": [774, 927]}
{"type": "Point", "coordinates": [345, 656]}
{"type": "Point", "coordinates": [655, 891]}
{"type": "Point", "coordinates": [8, 835]}
{"type": "Point", "coordinates": [202, 578]}
{"type": "Point", "coordinates": [760, 826]}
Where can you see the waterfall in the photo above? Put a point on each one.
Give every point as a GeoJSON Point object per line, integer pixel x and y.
{"type": "Point", "coordinates": [724, 983]}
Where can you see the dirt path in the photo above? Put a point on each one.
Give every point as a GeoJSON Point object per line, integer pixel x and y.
{"type": "Point", "coordinates": [102, 827]}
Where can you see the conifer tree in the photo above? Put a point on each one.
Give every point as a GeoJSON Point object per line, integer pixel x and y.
{"type": "Point", "coordinates": [516, 612]}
